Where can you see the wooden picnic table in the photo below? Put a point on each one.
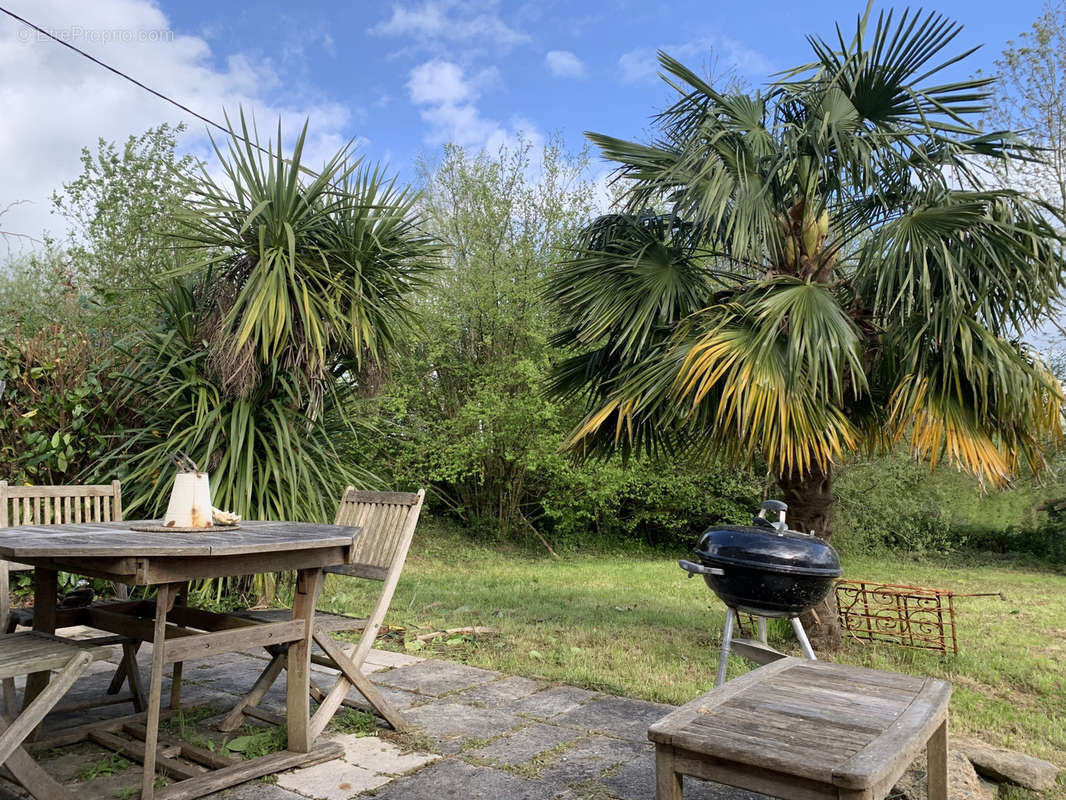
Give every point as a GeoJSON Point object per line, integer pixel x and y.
{"type": "Point", "coordinates": [177, 632]}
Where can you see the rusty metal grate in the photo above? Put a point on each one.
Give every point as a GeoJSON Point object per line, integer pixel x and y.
{"type": "Point", "coordinates": [908, 616]}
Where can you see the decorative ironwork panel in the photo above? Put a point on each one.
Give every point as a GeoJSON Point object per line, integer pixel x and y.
{"type": "Point", "coordinates": [908, 616]}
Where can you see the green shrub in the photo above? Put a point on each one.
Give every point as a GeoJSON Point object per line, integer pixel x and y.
{"type": "Point", "coordinates": [665, 503]}
{"type": "Point", "coordinates": [58, 414]}
{"type": "Point", "coordinates": [891, 503]}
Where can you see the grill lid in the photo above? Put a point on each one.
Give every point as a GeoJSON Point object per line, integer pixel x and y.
{"type": "Point", "coordinates": [787, 552]}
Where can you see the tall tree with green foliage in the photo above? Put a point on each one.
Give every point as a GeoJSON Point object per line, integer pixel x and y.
{"type": "Point", "coordinates": [64, 304]}
{"type": "Point", "coordinates": [1031, 97]}
{"type": "Point", "coordinates": [465, 402]}
{"type": "Point", "coordinates": [469, 390]}
{"type": "Point", "coordinates": [827, 270]}
{"type": "Point", "coordinates": [123, 212]}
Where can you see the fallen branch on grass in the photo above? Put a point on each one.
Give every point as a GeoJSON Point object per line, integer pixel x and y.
{"type": "Point", "coordinates": [476, 630]}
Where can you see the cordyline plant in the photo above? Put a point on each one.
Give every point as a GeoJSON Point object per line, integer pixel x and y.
{"type": "Point", "coordinates": [827, 269]}
{"type": "Point", "coordinates": [309, 272]}
{"type": "Point", "coordinates": [293, 288]}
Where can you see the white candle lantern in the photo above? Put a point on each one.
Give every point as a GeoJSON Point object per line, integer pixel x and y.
{"type": "Point", "coordinates": [190, 502]}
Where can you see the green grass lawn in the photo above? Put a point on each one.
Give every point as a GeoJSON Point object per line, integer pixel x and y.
{"type": "Point", "coordinates": [633, 624]}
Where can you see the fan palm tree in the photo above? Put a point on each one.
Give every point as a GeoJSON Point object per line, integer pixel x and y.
{"type": "Point", "coordinates": [818, 268]}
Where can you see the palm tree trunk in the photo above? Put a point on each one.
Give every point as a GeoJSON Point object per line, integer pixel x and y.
{"type": "Point", "coordinates": [810, 509]}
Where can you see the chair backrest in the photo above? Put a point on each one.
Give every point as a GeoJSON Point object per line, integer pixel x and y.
{"type": "Point", "coordinates": [59, 505]}
{"type": "Point", "coordinates": [52, 505]}
{"type": "Point", "coordinates": [388, 521]}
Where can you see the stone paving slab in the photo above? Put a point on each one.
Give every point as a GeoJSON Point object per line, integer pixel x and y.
{"type": "Point", "coordinates": [497, 693]}
{"type": "Point", "coordinates": [617, 716]}
{"type": "Point", "coordinates": [589, 759]}
{"type": "Point", "coordinates": [551, 702]}
{"type": "Point", "coordinates": [525, 744]}
{"type": "Point", "coordinates": [435, 677]}
{"type": "Point", "coordinates": [331, 780]}
{"type": "Point", "coordinates": [399, 699]}
{"type": "Point", "coordinates": [256, 790]}
{"type": "Point", "coordinates": [381, 755]}
{"type": "Point", "coordinates": [635, 780]}
{"type": "Point", "coordinates": [457, 780]}
{"type": "Point", "coordinates": [387, 658]}
{"type": "Point", "coordinates": [453, 725]}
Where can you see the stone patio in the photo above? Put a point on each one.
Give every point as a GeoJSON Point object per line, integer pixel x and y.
{"type": "Point", "coordinates": [475, 734]}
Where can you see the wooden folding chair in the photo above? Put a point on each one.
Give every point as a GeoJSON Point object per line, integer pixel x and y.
{"type": "Point", "coordinates": [22, 654]}
{"type": "Point", "coordinates": [51, 505]}
{"type": "Point", "coordinates": [388, 522]}
{"type": "Point", "coordinates": [63, 505]}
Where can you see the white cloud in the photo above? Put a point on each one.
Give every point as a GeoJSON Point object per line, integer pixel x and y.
{"type": "Point", "coordinates": [448, 99]}
{"type": "Point", "coordinates": [438, 82]}
{"type": "Point", "coordinates": [451, 21]}
{"type": "Point", "coordinates": [56, 102]}
{"type": "Point", "coordinates": [458, 34]}
{"type": "Point", "coordinates": [642, 64]}
{"type": "Point", "coordinates": [564, 64]}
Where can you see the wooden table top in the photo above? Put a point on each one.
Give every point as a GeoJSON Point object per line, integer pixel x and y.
{"type": "Point", "coordinates": [109, 539]}
{"type": "Point", "coordinates": [832, 723]}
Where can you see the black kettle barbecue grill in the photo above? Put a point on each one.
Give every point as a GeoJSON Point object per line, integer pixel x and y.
{"type": "Point", "coordinates": [765, 570]}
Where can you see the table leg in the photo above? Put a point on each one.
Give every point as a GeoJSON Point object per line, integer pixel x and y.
{"type": "Point", "coordinates": [937, 768]}
{"type": "Point", "coordinates": [668, 782]}
{"type": "Point", "coordinates": [175, 676]}
{"type": "Point", "coordinates": [298, 668]}
{"type": "Point", "coordinates": [163, 599]}
{"type": "Point", "coordinates": [45, 589]}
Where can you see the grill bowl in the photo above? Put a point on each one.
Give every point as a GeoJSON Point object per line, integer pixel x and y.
{"type": "Point", "coordinates": [768, 573]}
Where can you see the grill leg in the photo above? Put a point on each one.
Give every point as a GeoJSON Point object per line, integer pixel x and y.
{"type": "Point", "coordinates": [723, 656]}
{"type": "Point", "coordinates": [762, 628]}
{"type": "Point", "coordinates": [801, 634]}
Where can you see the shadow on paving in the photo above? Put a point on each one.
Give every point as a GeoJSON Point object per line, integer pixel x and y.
{"type": "Point", "coordinates": [473, 733]}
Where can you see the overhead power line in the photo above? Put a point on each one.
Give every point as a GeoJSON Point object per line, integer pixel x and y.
{"type": "Point", "coordinates": [134, 81]}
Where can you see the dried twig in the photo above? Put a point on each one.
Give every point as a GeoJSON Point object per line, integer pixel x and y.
{"type": "Point", "coordinates": [475, 630]}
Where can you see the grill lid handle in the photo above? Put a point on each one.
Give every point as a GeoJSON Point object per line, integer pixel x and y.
{"type": "Point", "coordinates": [693, 569]}
{"type": "Point", "coordinates": [774, 505]}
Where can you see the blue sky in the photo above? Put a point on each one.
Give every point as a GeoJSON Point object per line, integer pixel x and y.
{"type": "Point", "coordinates": [400, 78]}
{"type": "Point", "coordinates": [545, 66]}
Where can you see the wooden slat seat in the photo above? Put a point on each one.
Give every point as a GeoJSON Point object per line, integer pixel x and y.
{"type": "Point", "coordinates": [798, 728]}
{"type": "Point", "coordinates": [32, 652]}
{"type": "Point", "coordinates": [387, 521]}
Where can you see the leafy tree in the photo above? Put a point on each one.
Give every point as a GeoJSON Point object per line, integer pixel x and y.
{"type": "Point", "coordinates": [1031, 74]}
{"type": "Point", "coordinates": [466, 400]}
{"type": "Point", "coordinates": [62, 307]}
{"type": "Point", "coordinates": [123, 212]}
{"type": "Point", "coordinates": [830, 273]}
{"type": "Point", "coordinates": [469, 391]}
{"type": "Point", "coordinates": [57, 405]}
{"type": "Point", "coordinates": [39, 290]}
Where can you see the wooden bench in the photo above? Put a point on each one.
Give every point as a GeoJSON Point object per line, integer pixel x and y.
{"type": "Point", "coordinates": [22, 654]}
{"type": "Point", "coordinates": [807, 729]}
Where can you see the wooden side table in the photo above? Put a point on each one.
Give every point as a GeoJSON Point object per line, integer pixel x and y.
{"type": "Point", "coordinates": [807, 729]}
